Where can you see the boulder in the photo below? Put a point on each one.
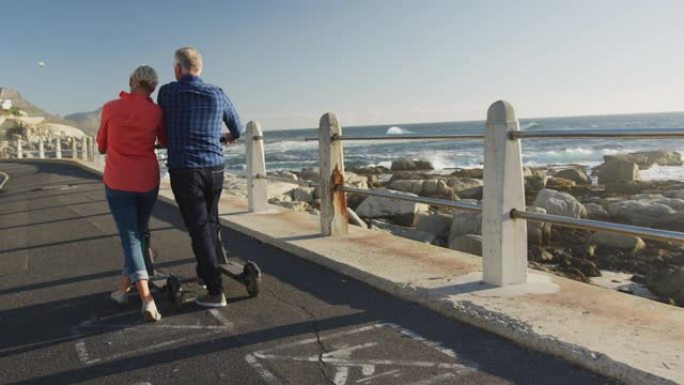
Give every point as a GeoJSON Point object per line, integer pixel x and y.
{"type": "Point", "coordinates": [411, 165]}
{"type": "Point", "coordinates": [559, 203]}
{"type": "Point", "coordinates": [539, 254]}
{"type": "Point", "coordinates": [311, 173]}
{"type": "Point", "coordinates": [296, 206]}
{"type": "Point", "coordinates": [646, 159]}
{"type": "Point", "coordinates": [438, 224]}
{"type": "Point", "coordinates": [596, 211]}
{"type": "Point", "coordinates": [284, 174]}
{"type": "Point", "coordinates": [471, 193]}
{"type": "Point", "coordinates": [354, 218]}
{"type": "Point", "coordinates": [536, 181]}
{"type": "Point", "coordinates": [556, 183]}
{"type": "Point", "coordinates": [355, 180]}
{"type": "Point", "coordinates": [573, 174]}
{"type": "Point", "coordinates": [370, 170]}
{"type": "Point", "coordinates": [410, 186]}
{"type": "Point", "coordinates": [469, 243]}
{"type": "Point", "coordinates": [437, 188]}
{"type": "Point", "coordinates": [620, 242]}
{"type": "Point", "coordinates": [538, 233]}
{"type": "Point", "coordinates": [401, 212]}
{"type": "Point", "coordinates": [640, 212]}
{"type": "Point", "coordinates": [465, 222]}
{"type": "Point", "coordinates": [279, 189]}
{"type": "Point", "coordinates": [476, 173]}
{"type": "Point", "coordinates": [618, 170]}
{"type": "Point", "coordinates": [303, 194]}
{"type": "Point", "coordinates": [668, 283]}
{"type": "Point", "coordinates": [460, 184]}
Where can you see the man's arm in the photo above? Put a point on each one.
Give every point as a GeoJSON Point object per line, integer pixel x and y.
{"type": "Point", "coordinates": [231, 119]}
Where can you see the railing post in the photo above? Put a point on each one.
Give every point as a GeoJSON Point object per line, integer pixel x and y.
{"type": "Point", "coordinates": [333, 200]}
{"type": "Point", "coordinates": [84, 148]}
{"type": "Point", "coordinates": [20, 151]}
{"type": "Point", "coordinates": [74, 149]}
{"type": "Point", "coordinates": [256, 169]}
{"type": "Point", "coordinates": [504, 244]}
{"type": "Point", "coordinates": [58, 148]}
{"type": "Point", "coordinates": [41, 149]}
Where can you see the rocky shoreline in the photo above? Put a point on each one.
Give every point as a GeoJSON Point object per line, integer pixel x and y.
{"type": "Point", "coordinates": [610, 192]}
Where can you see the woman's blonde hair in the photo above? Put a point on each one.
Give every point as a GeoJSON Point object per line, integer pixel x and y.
{"type": "Point", "coordinates": [144, 76]}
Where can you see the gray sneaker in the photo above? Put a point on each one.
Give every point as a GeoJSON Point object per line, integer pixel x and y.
{"type": "Point", "coordinates": [208, 300]}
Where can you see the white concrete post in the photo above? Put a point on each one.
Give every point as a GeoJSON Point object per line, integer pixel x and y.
{"type": "Point", "coordinates": [74, 149]}
{"type": "Point", "coordinates": [92, 148]}
{"type": "Point", "coordinates": [58, 149]}
{"type": "Point", "coordinates": [256, 169]}
{"type": "Point", "coordinates": [504, 243]}
{"type": "Point", "coordinates": [84, 148]}
{"type": "Point", "coordinates": [20, 151]}
{"type": "Point", "coordinates": [334, 217]}
{"type": "Point", "coordinates": [41, 149]}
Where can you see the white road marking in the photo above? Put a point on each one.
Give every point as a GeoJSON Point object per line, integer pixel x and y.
{"type": "Point", "coordinates": [263, 372]}
{"type": "Point", "coordinates": [341, 358]}
{"type": "Point", "coordinates": [341, 375]}
{"type": "Point", "coordinates": [220, 317]}
{"type": "Point", "coordinates": [371, 378]}
{"type": "Point", "coordinates": [435, 380]}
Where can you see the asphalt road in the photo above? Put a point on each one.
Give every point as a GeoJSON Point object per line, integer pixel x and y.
{"type": "Point", "coordinates": [60, 256]}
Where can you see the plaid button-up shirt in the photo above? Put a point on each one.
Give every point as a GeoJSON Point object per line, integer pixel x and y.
{"type": "Point", "coordinates": [193, 112]}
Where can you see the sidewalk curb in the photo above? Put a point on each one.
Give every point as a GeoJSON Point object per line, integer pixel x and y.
{"type": "Point", "coordinates": [464, 311]}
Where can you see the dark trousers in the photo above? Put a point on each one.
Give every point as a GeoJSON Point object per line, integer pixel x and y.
{"type": "Point", "coordinates": [197, 192]}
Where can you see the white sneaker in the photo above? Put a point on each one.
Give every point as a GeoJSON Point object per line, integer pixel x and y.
{"type": "Point", "coordinates": [149, 312]}
{"type": "Point", "coordinates": [119, 297]}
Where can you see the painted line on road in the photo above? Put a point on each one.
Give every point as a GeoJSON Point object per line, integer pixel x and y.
{"type": "Point", "coordinates": [6, 177]}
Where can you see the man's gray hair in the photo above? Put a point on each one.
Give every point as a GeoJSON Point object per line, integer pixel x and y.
{"type": "Point", "coordinates": [145, 76]}
{"type": "Point", "coordinates": [189, 59]}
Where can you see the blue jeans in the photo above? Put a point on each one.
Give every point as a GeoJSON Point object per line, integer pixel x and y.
{"type": "Point", "coordinates": [132, 212]}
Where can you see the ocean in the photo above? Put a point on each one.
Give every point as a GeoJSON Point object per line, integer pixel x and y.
{"type": "Point", "coordinates": [287, 150]}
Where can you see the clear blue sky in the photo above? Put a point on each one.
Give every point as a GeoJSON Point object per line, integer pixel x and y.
{"type": "Point", "coordinates": [285, 63]}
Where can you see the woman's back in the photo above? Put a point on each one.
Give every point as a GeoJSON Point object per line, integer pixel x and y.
{"type": "Point", "coordinates": [129, 129]}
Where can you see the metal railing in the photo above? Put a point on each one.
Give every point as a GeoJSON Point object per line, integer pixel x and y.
{"type": "Point", "coordinates": [504, 229]}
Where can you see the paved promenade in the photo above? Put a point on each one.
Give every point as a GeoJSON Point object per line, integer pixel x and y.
{"type": "Point", "coordinates": [60, 256]}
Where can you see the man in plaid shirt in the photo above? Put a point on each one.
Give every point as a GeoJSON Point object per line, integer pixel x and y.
{"type": "Point", "coordinates": [193, 115]}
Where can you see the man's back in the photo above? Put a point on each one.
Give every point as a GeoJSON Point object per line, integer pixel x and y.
{"type": "Point", "coordinates": [193, 112]}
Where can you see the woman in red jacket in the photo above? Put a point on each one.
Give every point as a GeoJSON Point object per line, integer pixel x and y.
{"type": "Point", "coordinates": [129, 129]}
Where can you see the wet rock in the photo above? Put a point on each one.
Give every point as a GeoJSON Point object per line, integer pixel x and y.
{"type": "Point", "coordinates": [578, 176]}
{"type": "Point", "coordinates": [620, 242]}
{"type": "Point", "coordinates": [411, 165]}
{"type": "Point", "coordinates": [469, 243]}
{"type": "Point", "coordinates": [559, 203]}
{"type": "Point", "coordinates": [618, 170]}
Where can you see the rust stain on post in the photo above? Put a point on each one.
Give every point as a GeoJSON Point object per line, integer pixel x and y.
{"type": "Point", "coordinates": [339, 198]}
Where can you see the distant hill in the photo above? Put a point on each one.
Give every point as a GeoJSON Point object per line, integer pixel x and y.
{"type": "Point", "coordinates": [32, 110]}
{"type": "Point", "coordinates": [89, 122]}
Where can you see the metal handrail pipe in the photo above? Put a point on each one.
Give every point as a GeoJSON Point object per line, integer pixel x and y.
{"type": "Point", "coordinates": [608, 227]}
{"type": "Point", "coordinates": [406, 137]}
{"type": "Point", "coordinates": [597, 134]}
{"type": "Point", "coordinates": [411, 198]}
{"type": "Point", "coordinates": [306, 183]}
